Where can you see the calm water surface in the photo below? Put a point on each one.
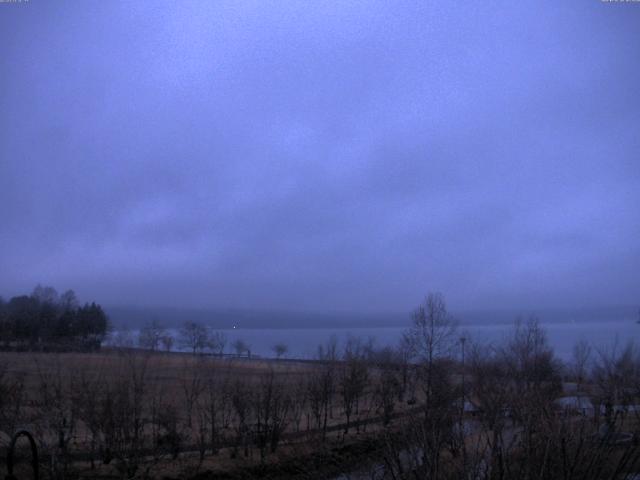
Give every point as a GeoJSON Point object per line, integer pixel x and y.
{"type": "Point", "coordinates": [303, 342]}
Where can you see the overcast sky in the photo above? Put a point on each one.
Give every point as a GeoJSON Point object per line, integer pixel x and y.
{"type": "Point", "coordinates": [338, 156]}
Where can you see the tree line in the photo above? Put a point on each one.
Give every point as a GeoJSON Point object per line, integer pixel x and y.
{"type": "Point", "coordinates": [46, 320]}
{"type": "Point", "coordinates": [192, 336]}
{"type": "Point", "coordinates": [437, 406]}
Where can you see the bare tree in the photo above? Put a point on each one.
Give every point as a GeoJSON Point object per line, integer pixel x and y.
{"type": "Point", "coordinates": [329, 351]}
{"type": "Point", "coordinates": [280, 349]}
{"type": "Point", "coordinates": [217, 342]}
{"type": "Point", "coordinates": [68, 300]}
{"type": "Point", "coordinates": [489, 377]}
{"type": "Point", "coordinates": [386, 390]}
{"type": "Point", "coordinates": [162, 421]}
{"type": "Point", "coordinates": [353, 377]}
{"type": "Point", "coordinates": [151, 335]}
{"type": "Point", "coordinates": [45, 294]}
{"type": "Point", "coordinates": [194, 336]}
{"type": "Point", "coordinates": [241, 347]}
{"type": "Point", "coordinates": [531, 360]}
{"type": "Point", "coordinates": [432, 333]}
{"type": "Point", "coordinates": [12, 399]}
{"type": "Point", "coordinates": [192, 383]}
{"type": "Point", "coordinates": [89, 386]}
{"type": "Point", "coordinates": [240, 400]}
{"type": "Point", "coordinates": [431, 336]}
{"type": "Point", "coordinates": [123, 413]}
{"type": "Point", "coordinates": [169, 436]}
{"type": "Point", "coordinates": [217, 405]}
{"type": "Point", "coordinates": [404, 354]}
{"type": "Point", "coordinates": [270, 405]}
{"type": "Point", "coordinates": [322, 384]}
{"type": "Point", "coordinates": [299, 400]}
{"type": "Point", "coordinates": [616, 374]}
{"type": "Point", "coordinates": [581, 358]}
{"type": "Point", "coordinates": [431, 339]}
{"type": "Point", "coordinates": [56, 413]}
{"type": "Point", "coordinates": [534, 383]}
{"type": "Point", "coordinates": [167, 342]}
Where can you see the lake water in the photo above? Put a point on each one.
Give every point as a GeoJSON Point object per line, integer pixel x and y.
{"type": "Point", "coordinates": [562, 336]}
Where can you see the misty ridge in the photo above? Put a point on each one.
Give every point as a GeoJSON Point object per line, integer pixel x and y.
{"type": "Point", "coordinates": [136, 317]}
{"type": "Point", "coordinates": [46, 320]}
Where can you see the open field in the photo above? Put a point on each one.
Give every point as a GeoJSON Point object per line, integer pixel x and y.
{"type": "Point", "coordinates": [161, 368]}
{"type": "Point", "coordinates": [176, 410]}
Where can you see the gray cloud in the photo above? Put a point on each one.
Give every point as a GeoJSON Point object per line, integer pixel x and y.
{"type": "Point", "coordinates": [321, 156]}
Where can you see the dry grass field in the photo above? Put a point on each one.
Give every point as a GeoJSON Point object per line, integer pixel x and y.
{"type": "Point", "coordinates": [127, 413]}
{"type": "Point", "coordinates": [167, 370]}
{"type": "Point", "coordinates": [172, 396]}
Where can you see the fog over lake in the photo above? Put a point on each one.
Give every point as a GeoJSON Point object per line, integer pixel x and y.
{"type": "Point", "coordinates": [603, 334]}
{"type": "Point", "coordinates": [303, 343]}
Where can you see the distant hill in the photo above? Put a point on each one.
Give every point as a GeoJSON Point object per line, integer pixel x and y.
{"type": "Point", "coordinates": [550, 315]}
{"type": "Point", "coordinates": [134, 317]}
